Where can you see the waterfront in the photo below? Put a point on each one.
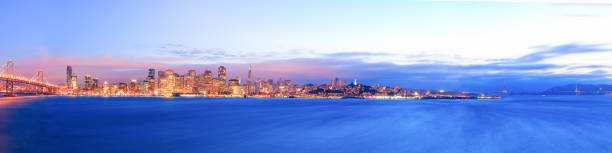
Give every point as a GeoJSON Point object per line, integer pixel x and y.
{"type": "Point", "coordinates": [135, 124]}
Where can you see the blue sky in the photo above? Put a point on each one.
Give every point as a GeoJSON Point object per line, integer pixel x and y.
{"type": "Point", "coordinates": [472, 44]}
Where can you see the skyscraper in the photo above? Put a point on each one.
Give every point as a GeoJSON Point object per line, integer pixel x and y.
{"type": "Point", "coordinates": [190, 81]}
{"type": "Point", "coordinates": [207, 81]}
{"type": "Point", "coordinates": [151, 75]}
{"type": "Point", "coordinates": [95, 84]}
{"type": "Point", "coordinates": [88, 82]}
{"type": "Point", "coordinates": [249, 82]}
{"type": "Point", "coordinates": [69, 76]}
{"type": "Point", "coordinates": [334, 83]}
{"type": "Point", "coordinates": [73, 81]}
{"type": "Point", "coordinates": [222, 73]}
{"type": "Point", "coordinates": [171, 80]}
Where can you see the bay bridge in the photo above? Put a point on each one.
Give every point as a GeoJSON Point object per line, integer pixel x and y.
{"type": "Point", "coordinates": [32, 85]}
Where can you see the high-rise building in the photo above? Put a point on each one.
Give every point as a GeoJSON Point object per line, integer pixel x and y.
{"type": "Point", "coordinates": [189, 81]}
{"type": "Point", "coordinates": [179, 83]}
{"type": "Point", "coordinates": [160, 74]}
{"type": "Point", "coordinates": [334, 83]}
{"type": "Point", "coordinates": [73, 81]}
{"type": "Point", "coordinates": [151, 74]}
{"type": "Point", "coordinates": [162, 84]}
{"type": "Point", "coordinates": [233, 82]}
{"type": "Point", "coordinates": [207, 81]}
{"type": "Point", "coordinates": [222, 73]}
{"type": "Point", "coordinates": [250, 82]}
{"type": "Point", "coordinates": [87, 82]}
{"type": "Point", "coordinates": [105, 88]}
{"type": "Point", "coordinates": [234, 86]}
{"type": "Point", "coordinates": [95, 84]}
{"type": "Point", "coordinates": [171, 80]}
{"type": "Point", "coordinates": [69, 76]}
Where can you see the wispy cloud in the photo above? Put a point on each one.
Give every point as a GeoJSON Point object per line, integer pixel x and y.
{"type": "Point", "coordinates": [556, 51]}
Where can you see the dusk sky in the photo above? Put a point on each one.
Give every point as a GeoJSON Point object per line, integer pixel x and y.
{"type": "Point", "coordinates": [438, 44]}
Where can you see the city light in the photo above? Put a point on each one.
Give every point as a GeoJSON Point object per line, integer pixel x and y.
{"type": "Point", "coordinates": [168, 83]}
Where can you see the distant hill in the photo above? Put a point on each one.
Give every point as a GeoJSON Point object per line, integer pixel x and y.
{"type": "Point", "coordinates": [585, 89]}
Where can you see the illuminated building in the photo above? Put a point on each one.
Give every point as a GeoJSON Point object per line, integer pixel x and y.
{"type": "Point", "coordinates": [151, 75]}
{"type": "Point", "coordinates": [335, 83]}
{"type": "Point", "coordinates": [122, 88]}
{"type": "Point", "coordinates": [233, 82]}
{"type": "Point", "coordinates": [88, 82]}
{"type": "Point", "coordinates": [250, 89]}
{"type": "Point", "coordinates": [69, 76]}
{"type": "Point", "coordinates": [73, 81]}
{"type": "Point", "coordinates": [219, 86]}
{"type": "Point", "coordinates": [106, 88]}
{"type": "Point", "coordinates": [163, 85]}
{"type": "Point", "coordinates": [95, 84]}
{"type": "Point", "coordinates": [221, 73]}
{"type": "Point", "coordinates": [132, 86]}
{"type": "Point", "coordinates": [205, 82]}
{"type": "Point", "coordinates": [170, 81]}
{"type": "Point", "coordinates": [160, 74]}
{"type": "Point", "coordinates": [179, 83]}
{"type": "Point", "coordinates": [189, 81]}
{"type": "Point", "coordinates": [208, 80]}
{"type": "Point", "coordinates": [234, 86]}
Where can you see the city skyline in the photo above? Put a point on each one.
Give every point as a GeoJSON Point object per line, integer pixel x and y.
{"type": "Point", "coordinates": [168, 83]}
{"type": "Point", "coordinates": [472, 45]}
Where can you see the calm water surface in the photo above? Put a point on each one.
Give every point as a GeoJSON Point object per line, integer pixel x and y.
{"type": "Point", "coordinates": [552, 124]}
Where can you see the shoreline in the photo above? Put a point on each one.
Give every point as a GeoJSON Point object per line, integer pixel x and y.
{"type": "Point", "coordinates": [268, 97]}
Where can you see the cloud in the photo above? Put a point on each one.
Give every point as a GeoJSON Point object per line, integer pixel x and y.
{"type": "Point", "coordinates": [580, 15]}
{"type": "Point", "coordinates": [528, 72]}
{"type": "Point", "coordinates": [556, 51]}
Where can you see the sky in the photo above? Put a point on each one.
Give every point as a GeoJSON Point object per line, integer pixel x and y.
{"type": "Point", "coordinates": [483, 45]}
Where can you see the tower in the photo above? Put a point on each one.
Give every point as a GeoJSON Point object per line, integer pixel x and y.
{"type": "Point", "coordinates": [10, 67]}
{"type": "Point", "coordinates": [190, 81]}
{"type": "Point", "coordinates": [39, 76]}
{"type": "Point", "coordinates": [69, 76]}
{"type": "Point", "coordinates": [249, 81]}
{"type": "Point", "coordinates": [151, 75]}
{"type": "Point", "coordinates": [222, 73]}
{"type": "Point", "coordinates": [95, 85]}
{"type": "Point", "coordinates": [333, 83]}
{"type": "Point", "coordinates": [73, 81]}
{"type": "Point", "coordinates": [171, 80]}
{"type": "Point", "coordinates": [88, 82]}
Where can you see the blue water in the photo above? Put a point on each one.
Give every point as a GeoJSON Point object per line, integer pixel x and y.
{"type": "Point", "coordinates": [552, 124]}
